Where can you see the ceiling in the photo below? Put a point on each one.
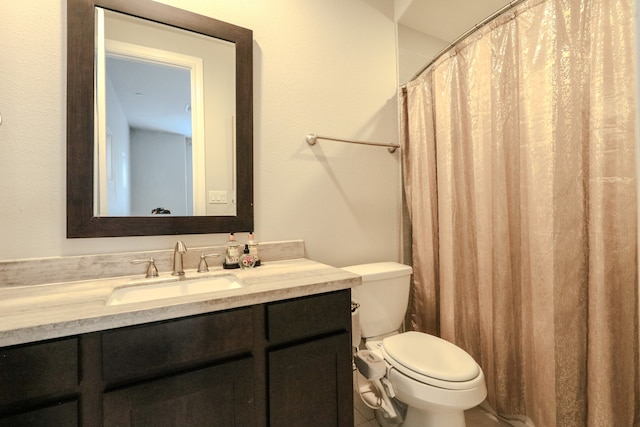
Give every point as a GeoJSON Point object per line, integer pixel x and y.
{"type": "Point", "coordinates": [152, 96]}
{"type": "Point", "coordinates": [448, 19]}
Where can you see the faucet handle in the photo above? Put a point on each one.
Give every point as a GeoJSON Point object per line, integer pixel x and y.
{"type": "Point", "coordinates": [152, 271]}
{"type": "Point", "coordinates": [203, 267]}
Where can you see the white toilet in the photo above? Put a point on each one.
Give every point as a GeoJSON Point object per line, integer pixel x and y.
{"type": "Point", "coordinates": [434, 379]}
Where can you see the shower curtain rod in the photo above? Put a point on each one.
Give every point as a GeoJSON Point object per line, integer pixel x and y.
{"type": "Point", "coordinates": [464, 36]}
{"type": "Point", "coordinates": [312, 138]}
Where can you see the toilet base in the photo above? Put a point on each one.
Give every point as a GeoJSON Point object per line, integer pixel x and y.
{"type": "Point", "coordinates": [416, 417]}
{"type": "Point", "coordinates": [383, 417]}
{"type": "Point", "coordinates": [386, 422]}
{"type": "Point", "coordinates": [433, 418]}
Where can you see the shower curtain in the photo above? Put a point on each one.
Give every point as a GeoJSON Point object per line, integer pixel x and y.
{"type": "Point", "coordinates": [519, 174]}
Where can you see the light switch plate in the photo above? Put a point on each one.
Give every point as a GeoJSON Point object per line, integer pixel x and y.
{"type": "Point", "coordinates": [217, 197]}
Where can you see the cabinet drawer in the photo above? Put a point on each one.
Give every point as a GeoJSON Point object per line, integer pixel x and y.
{"type": "Point", "coordinates": [309, 316]}
{"type": "Point", "coordinates": [152, 349]}
{"type": "Point", "coordinates": [38, 370]}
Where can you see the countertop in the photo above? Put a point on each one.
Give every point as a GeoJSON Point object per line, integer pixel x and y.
{"type": "Point", "coordinates": [45, 311]}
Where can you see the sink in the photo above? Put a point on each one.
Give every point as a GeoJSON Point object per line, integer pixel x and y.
{"type": "Point", "coordinates": [171, 287]}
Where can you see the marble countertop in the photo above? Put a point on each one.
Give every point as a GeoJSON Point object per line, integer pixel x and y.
{"type": "Point", "coordinates": [38, 312]}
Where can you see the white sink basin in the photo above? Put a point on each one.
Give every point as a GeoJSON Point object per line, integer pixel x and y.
{"type": "Point", "coordinates": [172, 287]}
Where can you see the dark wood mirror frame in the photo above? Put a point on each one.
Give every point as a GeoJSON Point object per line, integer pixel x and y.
{"type": "Point", "coordinates": [81, 221]}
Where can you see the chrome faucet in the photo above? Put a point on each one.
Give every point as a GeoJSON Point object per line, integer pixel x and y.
{"type": "Point", "coordinates": [179, 250]}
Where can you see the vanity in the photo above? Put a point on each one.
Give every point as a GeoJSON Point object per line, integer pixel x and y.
{"type": "Point", "coordinates": [88, 340]}
{"type": "Point", "coordinates": [274, 352]}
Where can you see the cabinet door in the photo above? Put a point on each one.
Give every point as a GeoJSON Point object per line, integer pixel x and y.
{"type": "Point", "coordinates": [39, 384]}
{"type": "Point", "coordinates": [59, 415]}
{"type": "Point", "coordinates": [310, 384]}
{"type": "Point", "coordinates": [36, 373]}
{"type": "Point", "coordinates": [220, 395]}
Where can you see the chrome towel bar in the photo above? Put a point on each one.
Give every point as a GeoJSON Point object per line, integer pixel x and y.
{"type": "Point", "coordinates": [312, 138]}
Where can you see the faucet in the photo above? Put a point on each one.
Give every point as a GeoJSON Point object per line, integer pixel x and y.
{"type": "Point", "coordinates": [179, 250]}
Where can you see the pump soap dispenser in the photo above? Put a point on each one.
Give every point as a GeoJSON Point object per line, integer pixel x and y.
{"type": "Point", "coordinates": [253, 249]}
{"type": "Point", "coordinates": [247, 260]}
{"type": "Point", "coordinates": [232, 253]}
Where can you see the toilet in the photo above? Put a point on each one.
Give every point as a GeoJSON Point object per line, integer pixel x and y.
{"type": "Point", "coordinates": [433, 379]}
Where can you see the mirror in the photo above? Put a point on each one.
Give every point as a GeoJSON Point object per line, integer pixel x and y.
{"type": "Point", "coordinates": [214, 170]}
{"type": "Point", "coordinates": [154, 84]}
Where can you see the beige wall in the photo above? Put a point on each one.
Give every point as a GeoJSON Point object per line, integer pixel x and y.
{"type": "Point", "coordinates": [323, 66]}
{"type": "Point", "coordinates": [415, 51]}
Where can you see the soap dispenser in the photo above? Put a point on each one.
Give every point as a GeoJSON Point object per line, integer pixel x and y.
{"type": "Point", "coordinates": [247, 260]}
{"type": "Point", "coordinates": [253, 249]}
{"type": "Point", "coordinates": [232, 253]}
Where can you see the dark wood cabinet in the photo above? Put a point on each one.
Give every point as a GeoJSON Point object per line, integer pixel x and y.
{"type": "Point", "coordinates": [277, 364]}
{"type": "Point", "coordinates": [39, 384]}
{"type": "Point", "coordinates": [306, 384]}
{"type": "Point", "coordinates": [310, 361]}
{"type": "Point", "coordinates": [60, 414]}
{"type": "Point", "coordinates": [191, 372]}
{"type": "Point", "coordinates": [147, 351]}
{"type": "Point", "coordinates": [220, 395]}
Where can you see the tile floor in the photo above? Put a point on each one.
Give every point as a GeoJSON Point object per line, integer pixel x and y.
{"type": "Point", "coordinates": [476, 417]}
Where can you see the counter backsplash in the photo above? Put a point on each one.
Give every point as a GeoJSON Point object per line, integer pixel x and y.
{"type": "Point", "coordinates": [36, 271]}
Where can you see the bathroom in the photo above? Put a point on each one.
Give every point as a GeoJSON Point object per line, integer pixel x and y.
{"type": "Point", "coordinates": [325, 67]}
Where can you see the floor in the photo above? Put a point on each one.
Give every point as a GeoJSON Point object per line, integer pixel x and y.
{"type": "Point", "coordinates": [476, 417]}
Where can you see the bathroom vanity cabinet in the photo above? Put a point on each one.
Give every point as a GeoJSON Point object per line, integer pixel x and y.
{"type": "Point", "coordinates": [281, 363]}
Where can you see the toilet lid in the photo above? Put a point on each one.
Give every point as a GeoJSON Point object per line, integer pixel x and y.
{"type": "Point", "coordinates": [430, 356]}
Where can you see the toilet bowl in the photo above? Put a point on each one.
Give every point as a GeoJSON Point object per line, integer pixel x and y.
{"type": "Point", "coordinates": [435, 380]}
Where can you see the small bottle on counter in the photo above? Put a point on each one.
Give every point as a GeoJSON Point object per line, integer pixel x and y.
{"type": "Point", "coordinates": [253, 249]}
{"type": "Point", "coordinates": [247, 260]}
{"type": "Point", "coordinates": [232, 253]}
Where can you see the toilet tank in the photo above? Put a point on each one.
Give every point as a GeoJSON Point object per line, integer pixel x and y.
{"type": "Point", "coordinates": [383, 296]}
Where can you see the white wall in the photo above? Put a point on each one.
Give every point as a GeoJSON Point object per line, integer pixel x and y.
{"type": "Point", "coordinates": [323, 66]}
{"type": "Point", "coordinates": [159, 178]}
{"type": "Point", "coordinates": [118, 187]}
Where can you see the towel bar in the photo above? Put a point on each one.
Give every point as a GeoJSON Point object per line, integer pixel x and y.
{"type": "Point", "coordinates": [312, 138]}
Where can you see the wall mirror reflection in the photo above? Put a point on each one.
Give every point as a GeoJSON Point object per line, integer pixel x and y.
{"type": "Point", "coordinates": [157, 152]}
{"type": "Point", "coordinates": [159, 121]}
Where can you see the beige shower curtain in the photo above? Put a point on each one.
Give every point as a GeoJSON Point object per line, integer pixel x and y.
{"type": "Point", "coordinates": [519, 164]}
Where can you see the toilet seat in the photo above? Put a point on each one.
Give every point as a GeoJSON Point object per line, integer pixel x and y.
{"type": "Point", "coordinates": [431, 360]}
